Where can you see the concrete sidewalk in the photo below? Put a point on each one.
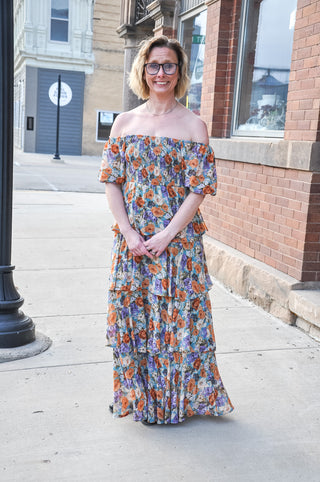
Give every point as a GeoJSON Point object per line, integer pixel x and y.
{"type": "Point", "coordinates": [55, 423]}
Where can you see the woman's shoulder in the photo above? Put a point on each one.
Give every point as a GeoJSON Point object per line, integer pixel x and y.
{"type": "Point", "coordinates": [123, 120]}
{"type": "Point", "coordinates": [192, 126]}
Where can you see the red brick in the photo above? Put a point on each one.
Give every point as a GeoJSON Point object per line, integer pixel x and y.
{"type": "Point", "coordinates": [309, 276]}
{"type": "Point", "coordinates": [309, 10]}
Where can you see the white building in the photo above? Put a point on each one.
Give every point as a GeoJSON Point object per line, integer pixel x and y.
{"type": "Point", "coordinates": [55, 37]}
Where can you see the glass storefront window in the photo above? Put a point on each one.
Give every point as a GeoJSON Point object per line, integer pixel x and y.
{"type": "Point", "coordinates": [105, 119]}
{"type": "Point", "coordinates": [263, 67]}
{"type": "Point", "coordinates": [59, 20]}
{"type": "Point", "coordinates": [193, 40]}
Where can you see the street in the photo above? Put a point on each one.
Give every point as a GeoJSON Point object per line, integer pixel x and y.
{"type": "Point", "coordinates": [38, 172]}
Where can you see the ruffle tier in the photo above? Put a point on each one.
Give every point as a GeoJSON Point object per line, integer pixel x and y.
{"type": "Point", "coordinates": [180, 272]}
{"type": "Point", "coordinates": [169, 387]}
{"type": "Point", "coordinates": [164, 357]}
{"type": "Point", "coordinates": [142, 322]}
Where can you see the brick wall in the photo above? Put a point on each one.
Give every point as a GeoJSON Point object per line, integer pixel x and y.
{"type": "Point", "coordinates": [269, 213]}
{"type": "Point", "coordinates": [311, 267]}
{"type": "Point", "coordinates": [303, 120]}
{"type": "Point", "coordinates": [264, 212]}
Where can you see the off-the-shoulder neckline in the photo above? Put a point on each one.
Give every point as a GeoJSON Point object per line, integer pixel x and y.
{"type": "Point", "coordinates": [142, 136]}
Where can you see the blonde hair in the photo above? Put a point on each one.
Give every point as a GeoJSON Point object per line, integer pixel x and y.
{"type": "Point", "coordinates": [137, 82]}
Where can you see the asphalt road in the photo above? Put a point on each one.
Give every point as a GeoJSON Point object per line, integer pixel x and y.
{"type": "Point", "coordinates": [39, 173]}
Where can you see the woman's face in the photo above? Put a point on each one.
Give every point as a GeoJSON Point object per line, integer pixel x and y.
{"type": "Point", "coordinates": [161, 83]}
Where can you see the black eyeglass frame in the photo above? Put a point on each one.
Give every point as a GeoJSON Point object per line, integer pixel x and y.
{"type": "Point", "coordinates": [161, 65]}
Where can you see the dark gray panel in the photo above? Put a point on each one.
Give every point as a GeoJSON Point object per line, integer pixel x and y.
{"type": "Point", "coordinates": [70, 139]}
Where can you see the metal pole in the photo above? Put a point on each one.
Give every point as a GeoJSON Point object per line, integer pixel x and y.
{"type": "Point", "coordinates": [16, 329]}
{"type": "Point", "coordinates": [57, 155]}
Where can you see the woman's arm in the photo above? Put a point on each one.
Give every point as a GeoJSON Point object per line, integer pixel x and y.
{"type": "Point", "coordinates": [134, 241]}
{"type": "Point", "coordinates": [158, 243]}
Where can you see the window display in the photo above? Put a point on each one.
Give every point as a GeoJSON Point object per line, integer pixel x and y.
{"type": "Point", "coordinates": [264, 67]}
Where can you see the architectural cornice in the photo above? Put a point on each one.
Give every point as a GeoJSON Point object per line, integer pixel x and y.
{"type": "Point", "coordinates": [210, 2]}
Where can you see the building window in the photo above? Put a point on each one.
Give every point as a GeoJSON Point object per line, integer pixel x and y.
{"type": "Point", "coordinates": [59, 20]}
{"type": "Point", "coordinates": [264, 58]}
{"type": "Point", "coordinates": [105, 119]}
{"type": "Point", "coordinates": [193, 38]}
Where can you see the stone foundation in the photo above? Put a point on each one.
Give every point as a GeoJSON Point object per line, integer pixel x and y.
{"type": "Point", "coordinates": [294, 302]}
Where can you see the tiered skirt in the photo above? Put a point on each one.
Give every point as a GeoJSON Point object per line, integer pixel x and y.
{"type": "Point", "coordinates": [160, 328]}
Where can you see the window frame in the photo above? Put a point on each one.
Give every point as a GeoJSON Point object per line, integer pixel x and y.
{"type": "Point", "coordinates": [235, 132]}
{"type": "Point", "coordinates": [183, 16]}
{"type": "Point", "coordinates": [63, 20]}
{"type": "Point", "coordinates": [114, 115]}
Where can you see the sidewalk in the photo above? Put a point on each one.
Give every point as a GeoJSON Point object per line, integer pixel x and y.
{"type": "Point", "coordinates": [54, 419]}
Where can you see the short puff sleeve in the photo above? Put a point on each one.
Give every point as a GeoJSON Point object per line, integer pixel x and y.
{"type": "Point", "coordinates": [113, 164]}
{"type": "Point", "coordinates": [200, 171]}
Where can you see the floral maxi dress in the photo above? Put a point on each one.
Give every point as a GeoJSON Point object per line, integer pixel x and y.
{"type": "Point", "coordinates": [159, 320]}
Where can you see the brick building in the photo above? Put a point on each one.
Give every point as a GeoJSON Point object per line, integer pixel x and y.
{"type": "Point", "coordinates": [255, 80]}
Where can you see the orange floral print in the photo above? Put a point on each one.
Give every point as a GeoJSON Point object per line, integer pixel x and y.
{"type": "Point", "coordinates": [158, 212]}
{"type": "Point", "coordinates": [159, 315]}
{"type": "Point", "coordinates": [116, 384]}
{"type": "Point", "coordinates": [194, 163]}
{"type": "Point", "coordinates": [140, 202]}
{"type": "Point", "coordinates": [112, 318]}
{"type": "Point", "coordinates": [129, 373]}
{"type": "Point", "coordinates": [149, 194]}
{"type": "Point", "coordinates": [152, 268]}
{"type": "Point", "coordinates": [189, 264]}
{"type": "Point", "coordinates": [115, 148]}
{"type": "Point", "coordinates": [136, 164]}
{"type": "Point", "coordinates": [124, 402]}
{"type": "Point", "coordinates": [140, 405]}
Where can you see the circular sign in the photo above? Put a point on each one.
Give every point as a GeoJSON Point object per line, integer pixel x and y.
{"type": "Point", "coordinates": [65, 94]}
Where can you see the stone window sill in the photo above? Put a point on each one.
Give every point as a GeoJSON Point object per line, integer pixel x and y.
{"type": "Point", "coordinates": [302, 155]}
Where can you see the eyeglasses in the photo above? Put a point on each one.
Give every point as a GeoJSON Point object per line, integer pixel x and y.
{"type": "Point", "coordinates": [168, 68]}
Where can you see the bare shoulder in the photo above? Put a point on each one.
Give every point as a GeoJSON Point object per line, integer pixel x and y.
{"type": "Point", "coordinates": [124, 121]}
{"type": "Point", "coordinates": [119, 124]}
{"type": "Point", "coordinates": [199, 131]}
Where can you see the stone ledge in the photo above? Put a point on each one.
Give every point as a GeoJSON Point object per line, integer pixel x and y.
{"type": "Point", "coordinates": [306, 305]}
{"type": "Point", "coordinates": [265, 286]}
{"type": "Point", "coordinates": [311, 330]}
{"type": "Point", "coordinates": [269, 152]}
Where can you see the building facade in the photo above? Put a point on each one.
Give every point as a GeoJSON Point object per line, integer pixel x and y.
{"type": "Point", "coordinates": [103, 88]}
{"type": "Point", "coordinates": [52, 38]}
{"type": "Point", "coordinates": [254, 69]}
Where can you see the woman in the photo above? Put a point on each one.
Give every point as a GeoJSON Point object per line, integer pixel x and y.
{"type": "Point", "coordinates": [157, 167]}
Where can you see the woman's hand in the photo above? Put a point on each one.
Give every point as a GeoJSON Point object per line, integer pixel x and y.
{"type": "Point", "coordinates": [135, 243]}
{"type": "Point", "coordinates": [158, 243]}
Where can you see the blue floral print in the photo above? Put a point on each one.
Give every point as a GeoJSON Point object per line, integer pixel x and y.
{"type": "Point", "coordinates": [159, 313]}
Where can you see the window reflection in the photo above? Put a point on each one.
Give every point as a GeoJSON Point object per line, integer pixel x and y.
{"type": "Point", "coordinates": [265, 67]}
{"type": "Point", "coordinates": [59, 20]}
{"type": "Point", "coordinates": [194, 38]}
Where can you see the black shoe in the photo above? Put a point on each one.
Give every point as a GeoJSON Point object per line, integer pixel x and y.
{"type": "Point", "coordinates": [111, 407]}
{"type": "Point", "coordinates": [145, 422]}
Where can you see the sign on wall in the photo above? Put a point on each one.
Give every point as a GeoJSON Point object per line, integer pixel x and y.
{"type": "Point", "coordinates": [65, 94]}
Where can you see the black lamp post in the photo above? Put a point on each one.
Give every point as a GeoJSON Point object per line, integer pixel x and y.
{"type": "Point", "coordinates": [57, 155]}
{"type": "Point", "coordinates": [16, 329]}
